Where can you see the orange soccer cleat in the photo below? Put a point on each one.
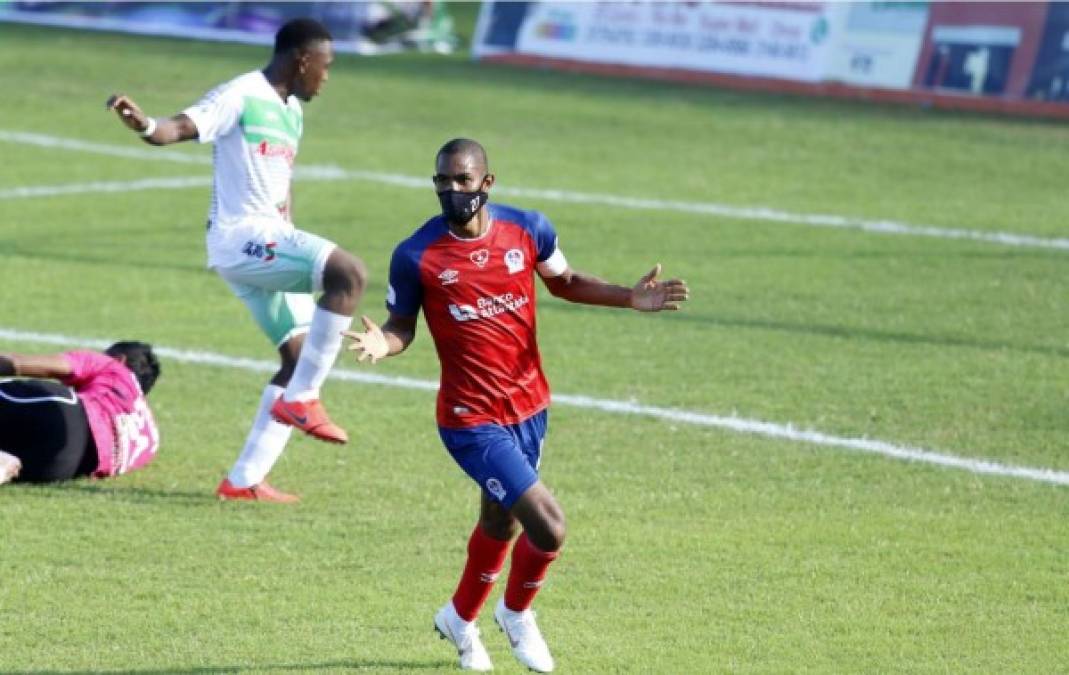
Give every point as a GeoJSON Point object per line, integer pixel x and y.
{"type": "Point", "coordinates": [261, 492]}
{"type": "Point", "coordinates": [310, 417]}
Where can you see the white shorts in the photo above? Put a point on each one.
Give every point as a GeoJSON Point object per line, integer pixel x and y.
{"type": "Point", "coordinates": [273, 268]}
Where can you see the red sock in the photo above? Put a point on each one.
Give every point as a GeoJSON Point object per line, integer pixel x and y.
{"type": "Point", "coordinates": [486, 557]}
{"type": "Point", "coordinates": [529, 565]}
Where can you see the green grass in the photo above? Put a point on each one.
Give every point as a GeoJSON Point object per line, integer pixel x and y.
{"type": "Point", "coordinates": [690, 549]}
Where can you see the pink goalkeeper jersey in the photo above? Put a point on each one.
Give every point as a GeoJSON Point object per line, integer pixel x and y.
{"type": "Point", "coordinates": [122, 425]}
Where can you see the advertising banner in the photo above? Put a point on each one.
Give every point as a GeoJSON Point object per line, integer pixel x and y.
{"type": "Point", "coordinates": [877, 43]}
{"type": "Point", "coordinates": [1001, 57]}
{"type": "Point", "coordinates": [770, 40]}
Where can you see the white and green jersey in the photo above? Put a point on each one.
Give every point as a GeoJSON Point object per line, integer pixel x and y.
{"type": "Point", "coordinates": [256, 136]}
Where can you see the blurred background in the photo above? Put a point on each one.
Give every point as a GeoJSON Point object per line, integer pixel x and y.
{"type": "Point", "coordinates": [1006, 56]}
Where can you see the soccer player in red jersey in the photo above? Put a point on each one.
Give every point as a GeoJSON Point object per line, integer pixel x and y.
{"type": "Point", "coordinates": [471, 269]}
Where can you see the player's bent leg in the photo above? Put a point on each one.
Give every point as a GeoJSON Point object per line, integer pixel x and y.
{"type": "Point", "coordinates": [277, 287]}
{"type": "Point", "coordinates": [267, 438]}
{"type": "Point", "coordinates": [342, 277]}
{"type": "Point", "coordinates": [488, 547]}
{"type": "Point", "coordinates": [247, 480]}
{"type": "Point", "coordinates": [541, 516]}
{"type": "Point", "coordinates": [534, 551]}
{"type": "Point", "coordinates": [304, 413]}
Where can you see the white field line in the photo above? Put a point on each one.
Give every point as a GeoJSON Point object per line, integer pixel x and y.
{"type": "Point", "coordinates": [136, 150]}
{"type": "Point", "coordinates": [105, 186]}
{"type": "Point", "coordinates": [731, 423]}
{"type": "Point", "coordinates": [759, 213]}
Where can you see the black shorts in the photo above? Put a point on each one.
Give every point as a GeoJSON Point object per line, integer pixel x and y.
{"type": "Point", "coordinates": [43, 423]}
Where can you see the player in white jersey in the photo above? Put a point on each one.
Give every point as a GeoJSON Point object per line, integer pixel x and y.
{"type": "Point", "coordinates": [255, 122]}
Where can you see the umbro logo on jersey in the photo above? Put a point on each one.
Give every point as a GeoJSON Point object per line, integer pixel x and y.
{"type": "Point", "coordinates": [449, 277]}
{"type": "Point", "coordinates": [480, 257]}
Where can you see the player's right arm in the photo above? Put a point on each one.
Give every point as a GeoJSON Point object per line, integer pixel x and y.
{"type": "Point", "coordinates": [167, 129]}
{"type": "Point", "coordinates": [52, 366]}
{"type": "Point", "coordinates": [377, 342]}
{"type": "Point", "coordinates": [404, 297]}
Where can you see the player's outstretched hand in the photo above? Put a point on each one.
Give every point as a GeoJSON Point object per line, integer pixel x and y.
{"type": "Point", "coordinates": [128, 112]}
{"type": "Point", "coordinates": [651, 295]}
{"type": "Point", "coordinates": [370, 344]}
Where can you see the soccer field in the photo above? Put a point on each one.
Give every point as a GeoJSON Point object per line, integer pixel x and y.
{"type": "Point", "coordinates": [849, 453]}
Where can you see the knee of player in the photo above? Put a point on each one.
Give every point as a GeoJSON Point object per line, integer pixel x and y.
{"type": "Point", "coordinates": [499, 529]}
{"type": "Point", "coordinates": [550, 537]}
{"type": "Point", "coordinates": [356, 272]}
{"type": "Point", "coordinates": [346, 273]}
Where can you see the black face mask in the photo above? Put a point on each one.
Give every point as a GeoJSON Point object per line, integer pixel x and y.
{"type": "Point", "coordinates": [459, 207]}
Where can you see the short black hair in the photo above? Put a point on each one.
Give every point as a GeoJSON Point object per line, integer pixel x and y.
{"type": "Point", "coordinates": [140, 359]}
{"type": "Point", "coordinates": [298, 33]}
{"type": "Point", "coordinates": [465, 146]}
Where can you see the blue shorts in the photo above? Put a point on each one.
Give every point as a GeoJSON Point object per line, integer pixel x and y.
{"type": "Point", "coordinates": [503, 460]}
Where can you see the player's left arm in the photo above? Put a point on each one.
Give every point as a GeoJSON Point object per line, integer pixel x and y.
{"type": "Point", "coordinates": [650, 294]}
{"type": "Point", "coordinates": [52, 366]}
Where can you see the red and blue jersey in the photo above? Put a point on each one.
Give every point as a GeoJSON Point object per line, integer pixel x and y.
{"type": "Point", "coordinates": [478, 298]}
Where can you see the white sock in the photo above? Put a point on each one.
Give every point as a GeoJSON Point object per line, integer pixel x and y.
{"type": "Point", "coordinates": [264, 444]}
{"type": "Point", "coordinates": [321, 347]}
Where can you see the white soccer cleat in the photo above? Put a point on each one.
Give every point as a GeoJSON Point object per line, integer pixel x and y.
{"type": "Point", "coordinates": [526, 640]}
{"type": "Point", "coordinates": [465, 637]}
{"type": "Point", "coordinates": [10, 465]}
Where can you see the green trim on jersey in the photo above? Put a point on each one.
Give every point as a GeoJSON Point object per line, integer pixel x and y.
{"type": "Point", "coordinates": [298, 260]}
{"type": "Point", "coordinates": [270, 121]}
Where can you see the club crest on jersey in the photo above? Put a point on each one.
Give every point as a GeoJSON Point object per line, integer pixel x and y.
{"type": "Point", "coordinates": [514, 260]}
{"type": "Point", "coordinates": [449, 277]}
{"type": "Point", "coordinates": [480, 257]}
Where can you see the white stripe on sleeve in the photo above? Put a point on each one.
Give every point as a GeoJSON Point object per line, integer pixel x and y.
{"type": "Point", "coordinates": [553, 266]}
